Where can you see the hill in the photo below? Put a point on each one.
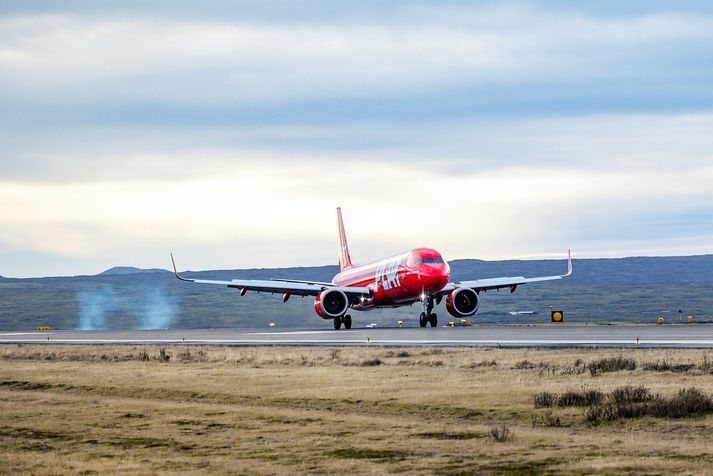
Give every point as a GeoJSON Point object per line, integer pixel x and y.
{"type": "Point", "coordinates": [130, 270]}
{"type": "Point", "coordinates": [626, 289]}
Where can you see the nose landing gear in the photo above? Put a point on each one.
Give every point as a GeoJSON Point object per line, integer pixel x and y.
{"type": "Point", "coordinates": [428, 316]}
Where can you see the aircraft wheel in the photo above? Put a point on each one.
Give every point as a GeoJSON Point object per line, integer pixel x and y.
{"type": "Point", "coordinates": [433, 319]}
{"type": "Point", "coordinates": [422, 320]}
{"type": "Point", "coordinates": [337, 323]}
{"type": "Point", "coordinates": [347, 321]}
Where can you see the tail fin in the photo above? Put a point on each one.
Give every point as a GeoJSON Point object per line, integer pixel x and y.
{"type": "Point", "coordinates": [345, 261]}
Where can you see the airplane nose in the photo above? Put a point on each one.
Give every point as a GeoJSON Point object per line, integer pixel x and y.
{"type": "Point", "coordinates": [434, 279]}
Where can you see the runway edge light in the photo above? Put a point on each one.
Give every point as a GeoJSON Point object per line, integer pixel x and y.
{"type": "Point", "coordinates": [557, 316]}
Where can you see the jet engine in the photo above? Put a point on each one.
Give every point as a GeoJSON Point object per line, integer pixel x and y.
{"type": "Point", "coordinates": [331, 303]}
{"type": "Point", "coordinates": [462, 302]}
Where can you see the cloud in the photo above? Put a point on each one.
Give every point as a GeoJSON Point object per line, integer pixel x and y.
{"type": "Point", "coordinates": [230, 133]}
{"type": "Point", "coordinates": [263, 215]}
{"type": "Point", "coordinates": [625, 142]}
{"type": "Point", "coordinates": [205, 62]}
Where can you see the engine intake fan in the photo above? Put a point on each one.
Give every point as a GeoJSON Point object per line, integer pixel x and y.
{"type": "Point", "coordinates": [462, 302]}
{"type": "Point", "coordinates": [331, 303]}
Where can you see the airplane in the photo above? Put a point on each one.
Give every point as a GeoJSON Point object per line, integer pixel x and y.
{"type": "Point", "coordinates": [402, 280]}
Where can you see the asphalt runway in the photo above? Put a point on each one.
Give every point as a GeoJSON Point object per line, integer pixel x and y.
{"type": "Point", "coordinates": [669, 335]}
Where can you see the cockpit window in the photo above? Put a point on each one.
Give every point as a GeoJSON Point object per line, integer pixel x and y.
{"type": "Point", "coordinates": [432, 260]}
{"type": "Point", "coordinates": [418, 260]}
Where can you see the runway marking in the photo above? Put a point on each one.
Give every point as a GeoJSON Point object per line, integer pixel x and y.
{"type": "Point", "coordinates": [23, 334]}
{"type": "Point", "coordinates": [285, 333]}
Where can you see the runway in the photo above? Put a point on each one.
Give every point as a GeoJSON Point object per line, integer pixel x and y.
{"type": "Point", "coordinates": [686, 335]}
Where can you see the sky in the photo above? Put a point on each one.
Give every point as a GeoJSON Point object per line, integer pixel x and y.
{"type": "Point", "coordinates": [228, 133]}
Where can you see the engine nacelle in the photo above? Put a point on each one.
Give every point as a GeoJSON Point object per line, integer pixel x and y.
{"type": "Point", "coordinates": [462, 302]}
{"type": "Point", "coordinates": [331, 303]}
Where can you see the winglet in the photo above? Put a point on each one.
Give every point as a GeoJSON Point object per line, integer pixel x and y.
{"type": "Point", "coordinates": [569, 263]}
{"type": "Point", "coordinates": [176, 272]}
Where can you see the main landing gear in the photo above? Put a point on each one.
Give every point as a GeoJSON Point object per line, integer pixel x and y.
{"type": "Point", "coordinates": [425, 319]}
{"type": "Point", "coordinates": [428, 316]}
{"type": "Point", "coordinates": [346, 320]}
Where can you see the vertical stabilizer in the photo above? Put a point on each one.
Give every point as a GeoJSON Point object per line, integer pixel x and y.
{"type": "Point", "coordinates": [345, 261]}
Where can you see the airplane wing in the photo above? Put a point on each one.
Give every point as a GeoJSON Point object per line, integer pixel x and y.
{"type": "Point", "coordinates": [297, 288]}
{"type": "Point", "coordinates": [511, 282]}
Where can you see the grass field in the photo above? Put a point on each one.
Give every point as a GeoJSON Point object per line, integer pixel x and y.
{"type": "Point", "coordinates": [186, 409]}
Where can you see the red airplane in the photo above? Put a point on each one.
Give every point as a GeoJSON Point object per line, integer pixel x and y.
{"type": "Point", "coordinates": [418, 275]}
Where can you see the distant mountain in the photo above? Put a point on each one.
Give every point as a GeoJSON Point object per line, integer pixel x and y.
{"type": "Point", "coordinates": [601, 290]}
{"type": "Point", "coordinates": [116, 270]}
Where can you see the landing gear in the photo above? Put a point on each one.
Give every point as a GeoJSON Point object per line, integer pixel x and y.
{"type": "Point", "coordinates": [427, 316]}
{"type": "Point", "coordinates": [346, 320]}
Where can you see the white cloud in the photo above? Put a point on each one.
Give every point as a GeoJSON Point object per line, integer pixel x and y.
{"type": "Point", "coordinates": [623, 143]}
{"type": "Point", "coordinates": [211, 60]}
{"type": "Point", "coordinates": [263, 214]}
{"type": "Point", "coordinates": [485, 132]}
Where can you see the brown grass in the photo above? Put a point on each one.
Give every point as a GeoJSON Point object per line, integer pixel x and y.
{"type": "Point", "coordinates": [611, 364]}
{"type": "Point", "coordinates": [191, 409]}
{"type": "Point", "coordinates": [630, 402]}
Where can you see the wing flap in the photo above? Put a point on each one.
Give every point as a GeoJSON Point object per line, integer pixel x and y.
{"type": "Point", "coordinates": [322, 283]}
{"type": "Point", "coordinates": [296, 288]}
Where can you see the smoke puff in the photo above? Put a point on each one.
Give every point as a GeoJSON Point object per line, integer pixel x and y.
{"type": "Point", "coordinates": [150, 308]}
{"type": "Point", "coordinates": [93, 307]}
{"type": "Point", "coordinates": [159, 310]}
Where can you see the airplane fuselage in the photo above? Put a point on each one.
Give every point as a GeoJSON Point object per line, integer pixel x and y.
{"type": "Point", "coordinates": [398, 280]}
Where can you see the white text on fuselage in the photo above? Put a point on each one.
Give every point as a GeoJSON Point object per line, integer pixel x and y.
{"type": "Point", "coordinates": [387, 274]}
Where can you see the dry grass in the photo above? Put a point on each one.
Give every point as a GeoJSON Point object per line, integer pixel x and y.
{"type": "Point", "coordinates": [611, 364]}
{"type": "Point", "coordinates": [630, 402]}
{"type": "Point", "coordinates": [190, 409]}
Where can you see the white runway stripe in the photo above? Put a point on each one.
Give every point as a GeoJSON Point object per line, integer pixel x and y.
{"type": "Point", "coordinates": [700, 335]}
{"type": "Point", "coordinates": [287, 333]}
{"type": "Point", "coordinates": [23, 333]}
